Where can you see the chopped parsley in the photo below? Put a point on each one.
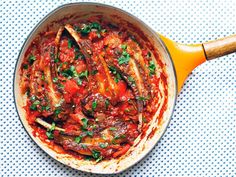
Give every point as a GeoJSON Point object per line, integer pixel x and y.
{"type": "Point", "coordinates": [85, 30]}
{"type": "Point", "coordinates": [103, 145]}
{"type": "Point", "coordinates": [141, 98]}
{"type": "Point", "coordinates": [88, 27]}
{"type": "Point", "coordinates": [71, 72]}
{"type": "Point", "coordinates": [78, 54]}
{"type": "Point", "coordinates": [149, 54]}
{"type": "Point", "coordinates": [96, 26]}
{"type": "Point", "coordinates": [83, 146]}
{"type": "Point", "coordinates": [45, 108]}
{"type": "Point", "coordinates": [79, 81]}
{"type": "Point", "coordinates": [117, 77]}
{"type": "Point", "coordinates": [94, 72]}
{"type": "Point", "coordinates": [117, 137]}
{"type": "Point", "coordinates": [144, 120]}
{"type": "Point", "coordinates": [55, 79]}
{"type": "Point", "coordinates": [83, 74]}
{"type": "Point", "coordinates": [56, 60]}
{"type": "Point", "coordinates": [25, 66]}
{"type": "Point", "coordinates": [70, 42]}
{"type": "Point", "coordinates": [33, 97]}
{"type": "Point", "coordinates": [60, 85]}
{"type": "Point", "coordinates": [94, 105]}
{"type": "Point", "coordinates": [131, 79]}
{"type": "Point", "coordinates": [43, 77]}
{"type": "Point", "coordinates": [78, 139]}
{"type": "Point", "coordinates": [96, 155]}
{"type": "Point", "coordinates": [113, 128]}
{"type": "Point", "coordinates": [99, 159]}
{"type": "Point", "coordinates": [57, 111]}
{"type": "Point", "coordinates": [124, 58]}
{"type": "Point", "coordinates": [152, 67]}
{"type": "Point", "coordinates": [33, 107]}
{"type": "Point", "coordinates": [112, 69]}
{"type": "Point", "coordinates": [31, 59]}
{"type": "Point", "coordinates": [77, 29]}
{"type": "Point", "coordinates": [88, 158]}
{"type": "Point", "coordinates": [122, 136]}
{"type": "Point", "coordinates": [107, 103]}
{"type": "Point", "coordinates": [49, 132]}
{"type": "Point", "coordinates": [124, 46]}
{"type": "Point", "coordinates": [98, 35]}
{"type": "Point", "coordinates": [89, 133]}
{"type": "Point", "coordinates": [85, 122]}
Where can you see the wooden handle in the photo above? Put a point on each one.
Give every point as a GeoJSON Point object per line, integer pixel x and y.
{"type": "Point", "coordinates": [220, 47]}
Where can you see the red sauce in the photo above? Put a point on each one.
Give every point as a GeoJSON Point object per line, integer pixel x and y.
{"type": "Point", "coordinates": [95, 84]}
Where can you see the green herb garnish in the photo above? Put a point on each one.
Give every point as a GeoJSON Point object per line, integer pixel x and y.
{"type": "Point", "coordinates": [71, 72]}
{"type": "Point", "coordinates": [103, 145]}
{"type": "Point", "coordinates": [99, 159]}
{"type": "Point", "coordinates": [77, 29]}
{"type": "Point", "coordinates": [112, 69]}
{"type": "Point", "coordinates": [142, 98]}
{"type": "Point", "coordinates": [49, 132]}
{"type": "Point", "coordinates": [45, 108]}
{"type": "Point", "coordinates": [25, 66]}
{"type": "Point", "coordinates": [144, 120]}
{"type": "Point", "coordinates": [88, 27]}
{"type": "Point", "coordinates": [85, 122]}
{"type": "Point", "coordinates": [94, 105]}
{"type": "Point", "coordinates": [89, 133]}
{"type": "Point", "coordinates": [94, 72]}
{"type": "Point", "coordinates": [78, 139]}
{"type": "Point", "coordinates": [131, 79]}
{"type": "Point", "coordinates": [56, 60]}
{"type": "Point", "coordinates": [43, 77]}
{"type": "Point", "coordinates": [70, 42]}
{"type": "Point", "coordinates": [85, 30]}
{"type": "Point", "coordinates": [124, 46]}
{"type": "Point", "coordinates": [79, 81]}
{"type": "Point", "coordinates": [31, 59]}
{"type": "Point", "coordinates": [117, 77]}
{"type": "Point", "coordinates": [57, 111]}
{"type": "Point", "coordinates": [33, 97]}
{"type": "Point", "coordinates": [83, 74]}
{"type": "Point", "coordinates": [33, 107]}
{"type": "Point", "coordinates": [55, 79]}
{"type": "Point", "coordinates": [124, 58]}
{"type": "Point", "coordinates": [88, 158]}
{"type": "Point", "coordinates": [96, 26]}
{"type": "Point", "coordinates": [78, 54]}
{"type": "Point", "coordinates": [149, 54]}
{"type": "Point", "coordinates": [60, 85]}
{"type": "Point", "coordinates": [96, 154]}
{"type": "Point", "coordinates": [107, 103]}
{"type": "Point", "coordinates": [117, 137]}
{"type": "Point", "coordinates": [113, 128]}
{"type": "Point", "coordinates": [83, 146]}
{"type": "Point", "coordinates": [152, 67]}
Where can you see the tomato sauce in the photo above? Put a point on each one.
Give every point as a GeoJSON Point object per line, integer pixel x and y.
{"type": "Point", "coordinates": [92, 88]}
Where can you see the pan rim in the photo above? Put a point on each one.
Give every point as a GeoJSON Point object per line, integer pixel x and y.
{"type": "Point", "coordinates": [139, 21]}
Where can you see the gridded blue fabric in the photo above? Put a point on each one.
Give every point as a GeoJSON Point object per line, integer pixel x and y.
{"type": "Point", "coordinates": [201, 137]}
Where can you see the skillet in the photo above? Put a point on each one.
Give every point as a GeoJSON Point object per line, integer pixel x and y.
{"type": "Point", "coordinates": [179, 59]}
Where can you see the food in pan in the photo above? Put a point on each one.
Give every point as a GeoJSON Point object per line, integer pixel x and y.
{"type": "Point", "coordinates": [92, 88]}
